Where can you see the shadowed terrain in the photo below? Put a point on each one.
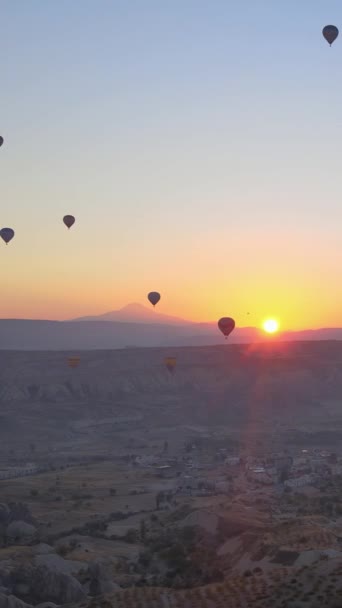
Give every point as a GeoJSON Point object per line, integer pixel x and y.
{"type": "Point", "coordinates": [126, 485]}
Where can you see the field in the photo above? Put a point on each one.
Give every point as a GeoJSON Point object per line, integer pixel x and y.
{"type": "Point", "coordinates": [68, 498]}
{"type": "Point", "coordinates": [282, 588]}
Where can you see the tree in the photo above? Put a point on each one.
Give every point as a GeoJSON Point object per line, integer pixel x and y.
{"type": "Point", "coordinates": [131, 536]}
{"type": "Point", "coordinates": [145, 558]}
{"type": "Point", "coordinates": [142, 530]}
{"type": "Point", "coordinates": [283, 476]}
{"type": "Point", "coordinates": [175, 556]}
{"type": "Point", "coordinates": [159, 499]}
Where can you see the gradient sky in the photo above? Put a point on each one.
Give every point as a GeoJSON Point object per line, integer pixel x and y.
{"type": "Point", "coordinates": [199, 145]}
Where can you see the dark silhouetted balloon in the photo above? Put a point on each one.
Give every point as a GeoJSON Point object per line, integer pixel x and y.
{"type": "Point", "coordinates": [69, 220]}
{"type": "Point", "coordinates": [170, 363]}
{"type": "Point", "coordinates": [330, 33]}
{"type": "Point", "coordinates": [154, 297]}
{"type": "Point", "coordinates": [226, 325]}
{"type": "Point", "coordinates": [73, 361]}
{"type": "Point", "coordinates": [7, 234]}
{"type": "Point", "coordinates": [1, 140]}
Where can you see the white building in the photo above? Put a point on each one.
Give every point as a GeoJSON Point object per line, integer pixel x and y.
{"type": "Point", "coordinates": [297, 482]}
{"type": "Point", "coordinates": [232, 460]}
{"type": "Point", "coordinates": [260, 475]}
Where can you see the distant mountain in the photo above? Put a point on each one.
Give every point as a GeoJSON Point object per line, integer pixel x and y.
{"type": "Point", "coordinates": [136, 313]}
{"type": "Point", "coordinates": [23, 334]}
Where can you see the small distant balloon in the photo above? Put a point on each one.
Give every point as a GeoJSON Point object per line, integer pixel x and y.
{"type": "Point", "coordinates": [170, 363]}
{"type": "Point", "coordinates": [330, 33]}
{"type": "Point", "coordinates": [1, 141]}
{"type": "Point", "coordinates": [69, 220]}
{"type": "Point", "coordinates": [74, 361]}
{"type": "Point", "coordinates": [226, 325]}
{"type": "Point", "coordinates": [154, 297]}
{"type": "Point", "coordinates": [7, 234]}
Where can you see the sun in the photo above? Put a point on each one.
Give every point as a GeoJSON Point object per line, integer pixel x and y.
{"type": "Point", "coordinates": [270, 326]}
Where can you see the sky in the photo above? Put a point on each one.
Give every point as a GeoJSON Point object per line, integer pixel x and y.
{"type": "Point", "coordinates": [198, 144]}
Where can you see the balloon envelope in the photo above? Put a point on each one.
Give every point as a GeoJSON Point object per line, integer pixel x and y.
{"type": "Point", "coordinates": [330, 33]}
{"type": "Point", "coordinates": [7, 234]}
{"type": "Point", "coordinates": [170, 363]}
{"type": "Point", "coordinates": [154, 297]}
{"type": "Point", "coordinates": [69, 220]}
{"type": "Point", "coordinates": [73, 361]}
{"type": "Point", "coordinates": [1, 140]}
{"type": "Point", "coordinates": [226, 325]}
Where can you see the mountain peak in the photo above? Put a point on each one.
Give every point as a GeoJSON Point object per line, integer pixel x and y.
{"type": "Point", "coordinates": [135, 312]}
{"type": "Point", "coordinates": [133, 307]}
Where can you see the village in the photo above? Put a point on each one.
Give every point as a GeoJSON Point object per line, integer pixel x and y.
{"type": "Point", "coordinates": [202, 469]}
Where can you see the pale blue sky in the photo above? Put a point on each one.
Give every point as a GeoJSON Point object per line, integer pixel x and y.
{"type": "Point", "coordinates": [205, 134]}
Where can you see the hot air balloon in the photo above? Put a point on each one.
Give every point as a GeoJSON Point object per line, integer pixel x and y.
{"type": "Point", "coordinates": [170, 363]}
{"type": "Point", "coordinates": [69, 220]}
{"type": "Point", "coordinates": [226, 325]}
{"type": "Point", "coordinates": [330, 33]}
{"type": "Point", "coordinates": [73, 362]}
{"type": "Point", "coordinates": [154, 297]}
{"type": "Point", "coordinates": [1, 140]}
{"type": "Point", "coordinates": [7, 234]}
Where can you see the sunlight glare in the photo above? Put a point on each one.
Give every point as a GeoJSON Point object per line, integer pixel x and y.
{"type": "Point", "coordinates": [270, 326]}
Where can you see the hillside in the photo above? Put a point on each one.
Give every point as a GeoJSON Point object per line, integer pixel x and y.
{"type": "Point", "coordinates": [283, 588]}
{"type": "Point", "coordinates": [226, 385]}
{"type": "Point", "coordinates": [22, 334]}
{"type": "Point", "coordinates": [27, 334]}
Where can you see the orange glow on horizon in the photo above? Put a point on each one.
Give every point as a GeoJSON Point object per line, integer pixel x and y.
{"type": "Point", "coordinates": [73, 281]}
